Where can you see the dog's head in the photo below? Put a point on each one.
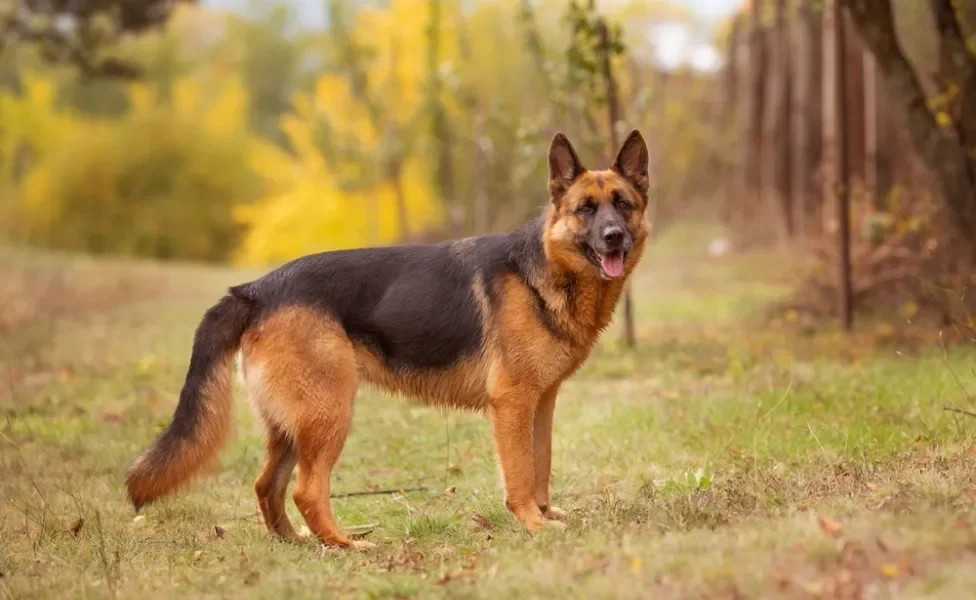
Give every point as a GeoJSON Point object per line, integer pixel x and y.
{"type": "Point", "coordinates": [596, 223]}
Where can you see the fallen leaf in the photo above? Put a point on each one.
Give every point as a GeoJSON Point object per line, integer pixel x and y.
{"type": "Point", "coordinates": [450, 490]}
{"type": "Point", "coordinates": [76, 528]}
{"type": "Point", "coordinates": [139, 519]}
{"type": "Point", "coordinates": [480, 521]}
{"type": "Point", "coordinates": [197, 554]}
{"type": "Point", "coordinates": [219, 532]}
{"type": "Point", "coordinates": [111, 417]}
{"type": "Point", "coordinates": [830, 527]}
{"type": "Point", "coordinates": [636, 564]}
{"type": "Point", "coordinates": [889, 570]}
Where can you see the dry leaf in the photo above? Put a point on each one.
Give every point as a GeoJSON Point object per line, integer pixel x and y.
{"type": "Point", "coordinates": [889, 570]}
{"type": "Point", "coordinates": [830, 526]}
{"type": "Point", "coordinates": [111, 417]}
{"type": "Point", "coordinates": [480, 521]}
{"type": "Point", "coordinates": [450, 490]}
{"type": "Point", "coordinates": [636, 564]}
{"type": "Point", "coordinates": [219, 532]}
{"type": "Point", "coordinates": [76, 528]}
{"type": "Point", "coordinates": [139, 519]}
{"type": "Point", "coordinates": [197, 554]}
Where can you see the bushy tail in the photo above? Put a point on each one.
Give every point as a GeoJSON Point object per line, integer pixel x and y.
{"type": "Point", "coordinates": [202, 421]}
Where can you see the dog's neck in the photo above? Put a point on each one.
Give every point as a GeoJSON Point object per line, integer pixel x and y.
{"type": "Point", "coordinates": [582, 303]}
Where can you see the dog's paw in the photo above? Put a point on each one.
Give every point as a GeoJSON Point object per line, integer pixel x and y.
{"type": "Point", "coordinates": [554, 513]}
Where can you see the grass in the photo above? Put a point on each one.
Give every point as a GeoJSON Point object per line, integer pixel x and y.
{"type": "Point", "coordinates": [723, 458]}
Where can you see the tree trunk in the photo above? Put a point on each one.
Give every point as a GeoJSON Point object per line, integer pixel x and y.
{"type": "Point", "coordinates": [630, 337]}
{"type": "Point", "coordinates": [730, 118]}
{"type": "Point", "coordinates": [780, 145]}
{"type": "Point", "coordinates": [853, 55]}
{"type": "Point", "coordinates": [755, 101]}
{"type": "Point", "coordinates": [396, 178]}
{"type": "Point", "coordinates": [482, 223]}
{"type": "Point", "coordinates": [944, 154]}
{"type": "Point", "coordinates": [807, 118]}
{"type": "Point", "coordinates": [874, 193]}
{"type": "Point", "coordinates": [440, 131]}
{"type": "Point", "coordinates": [837, 183]}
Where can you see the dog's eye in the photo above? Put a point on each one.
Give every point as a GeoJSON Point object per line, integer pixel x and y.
{"type": "Point", "coordinates": [585, 209]}
{"type": "Point", "coordinates": [620, 203]}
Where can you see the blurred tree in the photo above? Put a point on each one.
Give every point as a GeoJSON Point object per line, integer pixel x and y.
{"type": "Point", "coordinates": [272, 59]}
{"type": "Point", "coordinates": [776, 129]}
{"type": "Point", "coordinates": [82, 33]}
{"type": "Point", "coordinates": [943, 126]}
{"type": "Point", "coordinates": [806, 114]}
{"type": "Point", "coordinates": [98, 186]}
{"type": "Point", "coordinates": [752, 149]}
{"type": "Point", "coordinates": [837, 186]}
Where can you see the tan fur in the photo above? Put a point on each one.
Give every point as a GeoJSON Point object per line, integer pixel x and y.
{"type": "Point", "coordinates": [153, 476]}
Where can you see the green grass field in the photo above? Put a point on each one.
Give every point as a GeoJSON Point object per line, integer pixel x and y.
{"type": "Point", "coordinates": [726, 457]}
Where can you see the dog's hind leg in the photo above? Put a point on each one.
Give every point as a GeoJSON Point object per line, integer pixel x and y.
{"type": "Point", "coordinates": [272, 484]}
{"type": "Point", "coordinates": [319, 439]}
{"type": "Point", "coordinates": [304, 373]}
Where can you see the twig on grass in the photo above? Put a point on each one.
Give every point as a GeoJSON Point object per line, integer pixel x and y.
{"type": "Point", "coordinates": [968, 413]}
{"type": "Point", "coordinates": [379, 492]}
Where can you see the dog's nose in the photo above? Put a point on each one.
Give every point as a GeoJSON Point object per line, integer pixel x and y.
{"type": "Point", "coordinates": [613, 237]}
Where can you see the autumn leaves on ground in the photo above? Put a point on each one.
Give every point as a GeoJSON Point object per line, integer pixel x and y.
{"type": "Point", "coordinates": [728, 456]}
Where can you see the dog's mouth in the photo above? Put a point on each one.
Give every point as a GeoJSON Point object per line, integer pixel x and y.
{"type": "Point", "coordinates": [610, 264]}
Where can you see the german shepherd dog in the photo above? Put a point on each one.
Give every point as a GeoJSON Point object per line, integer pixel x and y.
{"type": "Point", "coordinates": [493, 323]}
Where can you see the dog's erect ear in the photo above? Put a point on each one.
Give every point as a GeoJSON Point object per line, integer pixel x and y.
{"type": "Point", "coordinates": [632, 160]}
{"type": "Point", "coordinates": [564, 166]}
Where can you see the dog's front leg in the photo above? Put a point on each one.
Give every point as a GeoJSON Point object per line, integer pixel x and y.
{"type": "Point", "coordinates": [512, 411]}
{"type": "Point", "coordinates": [542, 438]}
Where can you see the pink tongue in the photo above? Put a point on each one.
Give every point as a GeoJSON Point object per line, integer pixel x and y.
{"type": "Point", "coordinates": [612, 264]}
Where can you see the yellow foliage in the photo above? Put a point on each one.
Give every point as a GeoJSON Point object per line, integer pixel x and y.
{"type": "Point", "coordinates": [159, 181]}
{"type": "Point", "coordinates": [310, 213]}
{"type": "Point", "coordinates": [308, 208]}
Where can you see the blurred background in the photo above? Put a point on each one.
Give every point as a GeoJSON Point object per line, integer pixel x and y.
{"type": "Point", "coordinates": [249, 132]}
